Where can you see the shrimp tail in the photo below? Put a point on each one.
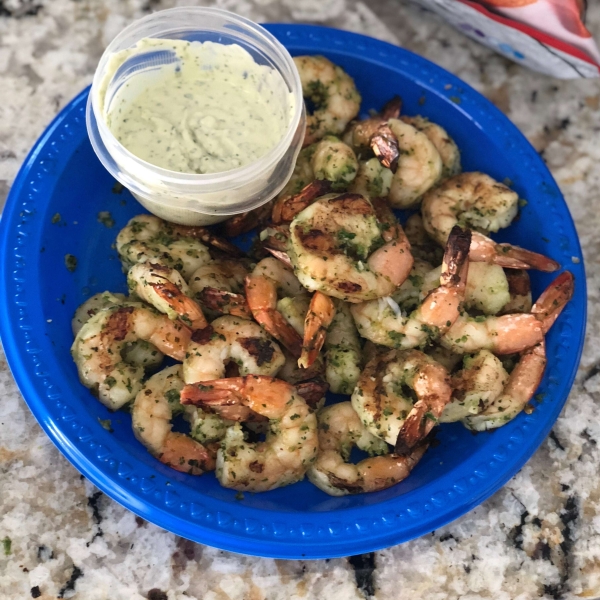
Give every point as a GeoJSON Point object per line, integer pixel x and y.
{"type": "Point", "coordinates": [391, 109]}
{"type": "Point", "coordinates": [283, 257]}
{"type": "Point", "coordinates": [262, 300]}
{"type": "Point", "coordinates": [245, 222]}
{"type": "Point", "coordinates": [184, 454]}
{"type": "Point", "coordinates": [275, 237]}
{"type": "Point", "coordinates": [483, 249]}
{"type": "Point", "coordinates": [218, 392]}
{"type": "Point", "coordinates": [455, 257]}
{"type": "Point", "coordinates": [527, 374]}
{"type": "Point", "coordinates": [433, 388]}
{"type": "Point", "coordinates": [275, 324]}
{"type": "Point", "coordinates": [320, 314]}
{"type": "Point", "coordinates": [553, 299]}
{"type": "Point", "coordinates": [381, 472]}
{"type": "Point", "coordinates": [206, 236]}
{"type": "Point", "coordinates": [188, 310]}
{"type": "Point", "coordinates": [385, 147]}
{"type": "Point", "coordinates": [312, 390]}
{"type": "Point", "coordinates": [223, 400]}
{"type": "Point", "coordinates": [287, 208]}
{"type": "Point", "coordinates": [225, 302]}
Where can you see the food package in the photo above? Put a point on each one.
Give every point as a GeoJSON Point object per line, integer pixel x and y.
{"type": "Point", "coordinates": [548, 36]}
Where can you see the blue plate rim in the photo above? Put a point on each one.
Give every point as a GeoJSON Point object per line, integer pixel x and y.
{"type": "Point", "coordinates": [337, 539]}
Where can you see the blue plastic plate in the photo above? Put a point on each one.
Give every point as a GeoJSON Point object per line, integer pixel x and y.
{"type": "Point", "coordinates": [53, 211]}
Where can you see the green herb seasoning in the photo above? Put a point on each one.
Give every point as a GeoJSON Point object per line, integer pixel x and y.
{"type": "Point", "coordinates": [106, 219]}
{"type": "Point", "coordinates": [70, 262]}
{"type": "Point", "coordinates": [7, 543]}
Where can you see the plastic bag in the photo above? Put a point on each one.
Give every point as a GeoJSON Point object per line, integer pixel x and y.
{"type": "Point", "coordinates": [548, 36]}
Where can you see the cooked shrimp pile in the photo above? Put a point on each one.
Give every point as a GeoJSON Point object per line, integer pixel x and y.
{"type": "Point", "coordinates": [420, 325]}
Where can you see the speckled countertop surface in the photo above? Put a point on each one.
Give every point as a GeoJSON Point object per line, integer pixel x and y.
{"type": "Point", "coordinates": [538, 537]}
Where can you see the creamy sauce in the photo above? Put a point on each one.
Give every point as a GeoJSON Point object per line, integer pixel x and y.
{"type": "Point", "coordinates": [210, 109]}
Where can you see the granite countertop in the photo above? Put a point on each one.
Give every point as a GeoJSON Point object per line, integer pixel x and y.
{"type": "Point", "coordinates": [538, 537]}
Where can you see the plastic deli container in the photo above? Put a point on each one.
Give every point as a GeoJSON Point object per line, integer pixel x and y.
{"type": "Point", "coordinates": [187, 198]}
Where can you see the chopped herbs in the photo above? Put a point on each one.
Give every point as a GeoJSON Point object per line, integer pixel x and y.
{"type": "Point", "coordinates": [70, 262]}
{"type": "Point", "coordinates": [7, 544]}
{"type": "Point", "coordinates": [106, 219]}
{"type": "Point", "coordinates": [106, 424]}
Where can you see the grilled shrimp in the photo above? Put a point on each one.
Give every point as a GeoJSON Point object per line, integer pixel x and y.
{"type": "Point", "coordinates": [515, 332]}
{"type": "Point", "coordinates": [477, 201]}
{"type": "Point", "coordinates": [387, 410]}
{"type": "Point", "coordinates": [98, 345]}
{"type": "Point", "coordinates": [340, 429]}
{"type": "Point", "coordinates": [154, 407]}
{"type": "Point", "coordinates": [148, 238]}
{"type": "Point", "coordinates": [340, 247]}
{"type": "Point", "coordinates": [291, 443]}
{"type": "Point", "coordinates": [167, 291]}
{"type": "Point", "coordinates": [138, 353]}
{"type": "Point", "coordinates": [522, 383]}
{"type": "Point", "coordinates": [333, 93]}
{"type": "Point", "coordinates": [333, 166]}
{"type": "Point", "coordinates": [383, 322]}
{"type": "Point", "coordinates": [230, 339]}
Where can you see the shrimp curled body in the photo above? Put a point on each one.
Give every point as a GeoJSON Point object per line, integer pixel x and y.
{"type": "Point", "coordinates": [340, 428]}
{"type": "Point", "coordinates": [477, 201]}
{"type": "Point", "coordinates": [333, 93]}
{"type": "Point", "coordinates": [98, 346]}
{"type": "Point", "coordinates": [291, 443]}
{"type": "Point", "coordinates": [387, 410]}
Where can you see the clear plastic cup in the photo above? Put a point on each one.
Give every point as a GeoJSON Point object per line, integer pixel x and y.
{"type": "Point", "coordinates": [187, 198]}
